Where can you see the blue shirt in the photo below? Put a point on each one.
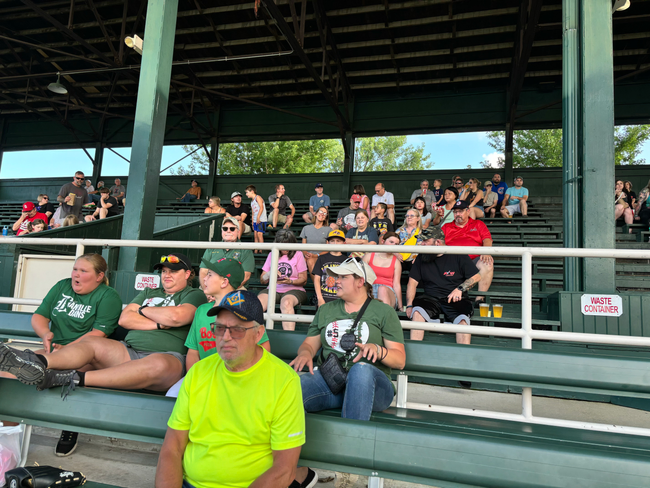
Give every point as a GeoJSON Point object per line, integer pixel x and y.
{"type": "Point", "coordinates": [437, 194]}
{"type": "Point", "coordinates": [518, 193]}
{"type": "Point", "coordinates": [500, 190]}
{"type": "Point", "coordinates": [317, 202]}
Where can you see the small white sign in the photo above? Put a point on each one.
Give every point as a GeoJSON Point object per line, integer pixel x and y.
{"type": "Point", "coordinates": [143, 281]}
{"type": "Point", "coordinates": [603, 305]}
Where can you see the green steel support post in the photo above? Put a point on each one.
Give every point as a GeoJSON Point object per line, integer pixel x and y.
{"type": "Point", "coordinates": [212, 170]}
{"type": "Point", "coordinates": [597, 66]}
{"type": "Point", "coordinates": [348, 167]}
{"type": "Point", "coordinates": [571, 130]}
{"type": "Point", "coordinates": [2, 133]}
{"type": "Point", "coordinates": [99, 161]}
{"type": "Point", "coordinates": [149, 131]}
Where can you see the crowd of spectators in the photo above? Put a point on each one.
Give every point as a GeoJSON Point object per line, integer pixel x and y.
{"type": "Point", "coordinates": [209, 347]}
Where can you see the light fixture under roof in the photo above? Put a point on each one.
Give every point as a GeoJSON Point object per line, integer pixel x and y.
{"type": "Point", "coordinates": [57, 87]}
{"type": "Point", "coordinates": [620, 5]}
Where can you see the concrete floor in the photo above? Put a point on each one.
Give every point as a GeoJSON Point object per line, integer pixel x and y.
{"type": "Point", "coordinates": [133, 464]}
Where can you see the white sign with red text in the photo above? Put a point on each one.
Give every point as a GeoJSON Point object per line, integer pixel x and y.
{"type": "Point", "coordinates": [143, 281]}
{"type": "Point", "coordinates": [603, 305]}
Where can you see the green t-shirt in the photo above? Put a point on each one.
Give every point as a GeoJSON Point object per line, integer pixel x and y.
{"type": "Point", "coordinates": [379, 322]}
{"type": "Point", "coordinates": [235, 420]}
{"type": "Point", "coordinates": [73, 315]}
{"type": "Point", "coordinates": [201, 338]}
{"type": "Point", "coordinates": [244, 256]}
{"type": "Point", "coordinates": [166, 339]}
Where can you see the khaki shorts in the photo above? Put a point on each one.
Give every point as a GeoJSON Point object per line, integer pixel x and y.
{"type": "Point", "coordinates": [282, 219]}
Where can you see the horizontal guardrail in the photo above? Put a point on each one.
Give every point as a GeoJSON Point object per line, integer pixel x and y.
{"type": "Point", "coordinates": [525, 333]}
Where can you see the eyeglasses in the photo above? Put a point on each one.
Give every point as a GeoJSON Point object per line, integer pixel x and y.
{"type": "Point", "coordinates": [229, 229]}
{"type": "Point", "coordinates": [458, 183]}
{"type": "Point", "coordinates": [78, 178]}
{"type": "Point", "coordinates": [410, 216]}
{"type": "Point", "coordinates": [170, 259]}
{"type": "Point", "coordinates": [236, 332]}
{"type": "Point", "coordinates": [46, 198]}
{"type": "Point", "coordinates": [358, 265]}
{"type": "Point", "coordinates": [322, 213]}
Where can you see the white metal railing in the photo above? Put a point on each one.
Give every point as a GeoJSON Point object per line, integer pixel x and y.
{"type": "Point", "coordinates": [525, 333]}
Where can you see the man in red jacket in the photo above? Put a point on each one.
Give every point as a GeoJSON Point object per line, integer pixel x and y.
{"type": "Point", "coordinates": [464, 231]}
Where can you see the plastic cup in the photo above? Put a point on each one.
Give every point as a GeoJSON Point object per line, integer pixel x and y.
{"type": "Point", "coordinates": [498, 310]}
{"type": "Point", "coordinates": [484, 309]}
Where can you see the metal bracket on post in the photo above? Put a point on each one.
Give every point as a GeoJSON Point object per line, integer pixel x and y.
{"type": "Point", "coordinates": [402, 389]}
{"type": "Point", "coordinates": [375, 482]}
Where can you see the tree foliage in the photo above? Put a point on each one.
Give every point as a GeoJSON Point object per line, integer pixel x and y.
{"type": "Point", "coordinates": [543, 148]}
{"type": "Point", "coordinates": [312, 156]}
{"type": "Point", "coordinates": [389, 154]}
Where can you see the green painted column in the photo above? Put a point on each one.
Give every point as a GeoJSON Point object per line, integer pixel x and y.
{"type": "Point", "coordinates": [597, 147]}
{"type": "Point", "coordinates": [99, 162]}
{"type": "Point", "coordinates": [348, 167]}
{"type": "Point", "coordinates": [212, 170]}
{"type": "Point", "coordinates": [571, 130]}
{"type": "Point", "coordinates": [149, 131]}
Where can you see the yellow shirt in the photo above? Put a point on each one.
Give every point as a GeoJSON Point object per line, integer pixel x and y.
{"type": "Point", "coordinates": [236, 419]}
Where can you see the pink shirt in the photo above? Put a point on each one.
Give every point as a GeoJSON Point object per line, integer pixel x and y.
{"type": "Point", "coordinates": [288, 268]}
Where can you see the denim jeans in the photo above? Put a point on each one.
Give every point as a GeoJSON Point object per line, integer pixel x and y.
{"type": "Point", "coordinates": [186, 485]}
{"type": "Point", "coordinates": [367, 390]}
{"type": "Point", "coordinates": [188, 197]}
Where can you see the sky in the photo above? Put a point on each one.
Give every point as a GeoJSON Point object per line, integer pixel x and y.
{"type": "Point", "coordinates": [448, 151]}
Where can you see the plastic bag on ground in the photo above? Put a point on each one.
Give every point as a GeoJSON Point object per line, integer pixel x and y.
{"type": "Point", "coordinates": [10, 442]}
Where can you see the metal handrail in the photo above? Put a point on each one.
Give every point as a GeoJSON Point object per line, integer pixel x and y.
{"type": "Point", "coordinates": [525, 333]}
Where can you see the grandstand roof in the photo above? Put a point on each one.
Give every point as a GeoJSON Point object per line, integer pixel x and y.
{"type": "Point", "coordinates": [464, 55]}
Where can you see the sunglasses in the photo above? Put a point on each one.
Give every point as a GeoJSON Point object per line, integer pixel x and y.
{"type": "Point", "coordinates": [229, 229]}
{"type": "Point", "coordinates": [77, 178]}
{"type": "Point", "coordinates": [236, 332]}
{"type": "Point", "coordinates": [46, 198]}
{"type": "Point", "coordinates": [358, 265]}
{"type": "Point", "coordinates": [170, 259]}
{"type": "Point", "coordinates": [458, 183]}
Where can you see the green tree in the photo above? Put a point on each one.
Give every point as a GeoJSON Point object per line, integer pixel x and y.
{"type": "Point", "coordinates": [543, 148]}
{"type": "Point", "coordinates": [389, 154]}
{"type": "Point", "coordinates": [312, 156]}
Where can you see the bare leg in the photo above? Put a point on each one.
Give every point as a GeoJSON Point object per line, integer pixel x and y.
{"type": "Point", "coordinates": [97, 351]}
{"type": "Point", "coordinates": [417, 335]}
{"type": "Point", "coordinates": [288, 222]}
{"type": "Point", "coordinates": [276, 212]}
{"type": "Point", "coordinates": [386, 296]}
{"type": "Point", "coordinates": [287, 305]}
{"type": "Point", "coordinates": [487, 272]}
{"type": "Point", "coordinates": [157, 372]}
{"type": "Point", "coordinates": [463, 338]}
{"type": "Point", "coordinates": [307, 217]}
{"type": "Point", "coordinates": [264, 300]}
{"type": "Point", "coordinates": [475, 213]}
{"type": "Point", "coordinates": [618, 211]}
{"type": "Point", "coordinates": [523, 205]}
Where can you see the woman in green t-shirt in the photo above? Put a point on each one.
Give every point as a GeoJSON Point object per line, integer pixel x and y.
{"type": "Point", "coordinates": [79, 306]}
{"type": "Point", "coordinates": [379, 346]}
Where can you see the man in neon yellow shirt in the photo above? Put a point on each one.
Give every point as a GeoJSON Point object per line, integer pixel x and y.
{"type": "Point", "coordinates": [239, 419]}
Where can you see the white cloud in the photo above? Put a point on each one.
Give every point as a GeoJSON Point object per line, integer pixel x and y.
{"type": "Point", "coordinates": [493, 158]}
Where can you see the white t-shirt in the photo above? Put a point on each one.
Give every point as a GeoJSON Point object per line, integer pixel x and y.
{"type": "Point", "coordinates": [386, 198]}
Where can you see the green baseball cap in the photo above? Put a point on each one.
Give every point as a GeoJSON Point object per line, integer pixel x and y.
{"type": "Point", "coordinates": [228, 268]}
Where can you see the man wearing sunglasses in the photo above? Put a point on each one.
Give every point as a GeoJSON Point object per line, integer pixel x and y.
{"type": "Point", "coordinates": [239, 418]}
{"type": "Point", "coordinates": [152, 355]}
{"type": "Point", "coordinates": [73, 196]}
{"type": "Point", "coordinates": [229, 233]}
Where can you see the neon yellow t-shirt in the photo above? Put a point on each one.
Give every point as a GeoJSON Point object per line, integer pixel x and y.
{"type": "Point", "coordinates": [236, 420]}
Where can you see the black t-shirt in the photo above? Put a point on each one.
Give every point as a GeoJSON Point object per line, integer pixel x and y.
{"type": "Point", "coordinates": [114, 210]}
{"type": "Point", "coordinates": [382, 225]}
{"type": "Point", "coordinates": [48, 207]}
{"type": "Point", "coordinates": [327, 284]}
{"type": "Point", "coordinates": [446, 272]}
{"type": "Point", "coordinates": [243, 208]}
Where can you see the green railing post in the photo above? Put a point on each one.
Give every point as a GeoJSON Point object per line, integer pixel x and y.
{"type": "Point", "coordinates": [149, 130]}
{"type": "Point", "coordinates": [571, 128]}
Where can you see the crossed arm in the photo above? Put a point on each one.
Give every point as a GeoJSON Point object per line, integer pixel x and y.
{"type": "Point", "coordinates": [167, 317]}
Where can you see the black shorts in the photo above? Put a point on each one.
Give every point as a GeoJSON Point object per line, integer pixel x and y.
{"type": "Point", "coordinates": [430, 308]}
